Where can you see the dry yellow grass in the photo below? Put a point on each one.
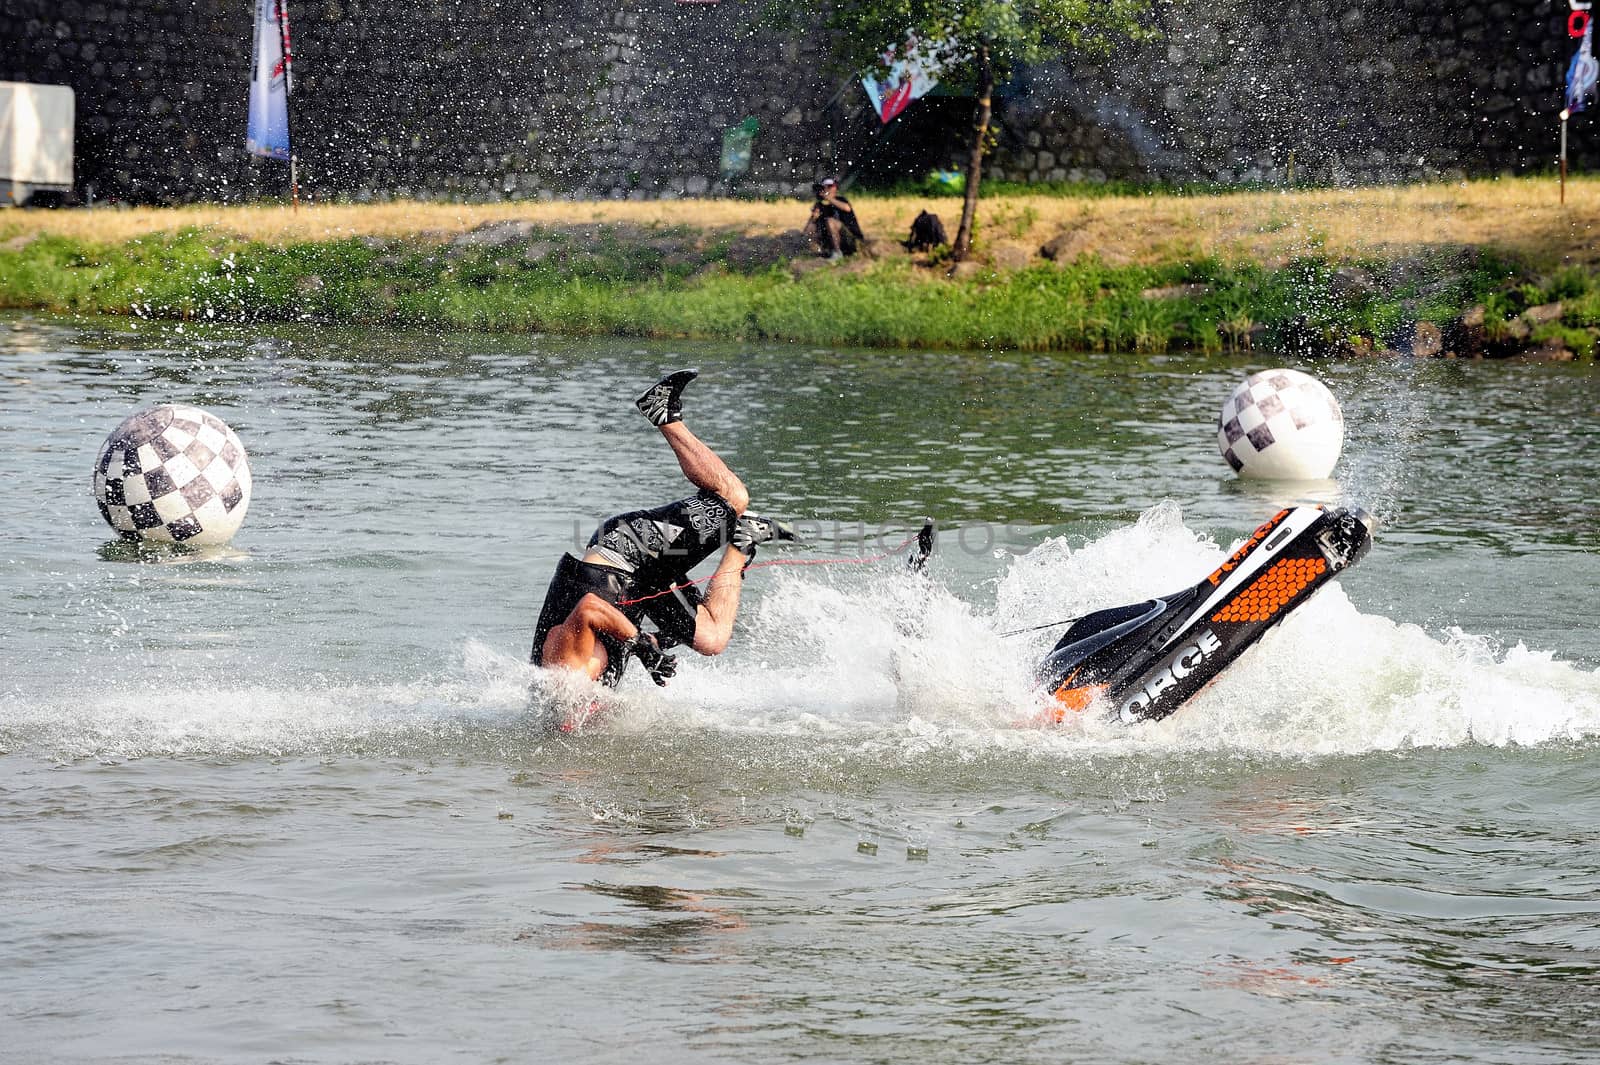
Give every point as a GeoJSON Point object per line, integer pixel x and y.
{"type": "Point", "coordinates": [1518, 215]}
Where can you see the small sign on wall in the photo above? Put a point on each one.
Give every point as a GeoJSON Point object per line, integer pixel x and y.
{"type": "Point", "coordinates": [736, 144]}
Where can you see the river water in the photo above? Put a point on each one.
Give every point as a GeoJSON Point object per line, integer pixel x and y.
{"type": "Point", "coordinates": [288, 802]}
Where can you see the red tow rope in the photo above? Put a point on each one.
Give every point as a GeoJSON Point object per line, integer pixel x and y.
{"type": "Point", "coordinates": [780, 562]}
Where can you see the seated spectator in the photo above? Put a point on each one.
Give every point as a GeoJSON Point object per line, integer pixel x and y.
{"type": "Point", "coordinates": [833, 228]}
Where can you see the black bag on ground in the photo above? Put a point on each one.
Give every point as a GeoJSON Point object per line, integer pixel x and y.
{"type": "Point", "coordinates": [927, 232]}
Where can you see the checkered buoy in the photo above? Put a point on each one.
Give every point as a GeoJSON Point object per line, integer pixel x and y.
{"type": "Point", "coordinates": [1281, 425]}
{"type": "Point", "coordinates": [173, 474]}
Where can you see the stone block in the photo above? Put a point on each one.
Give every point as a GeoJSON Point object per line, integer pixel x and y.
{"type": "Point", "coordinates": [1009, 256]}
{"type": "Point", "coordinates": [1175, 292]}
{"type": "Point", "coordinates": [1064, 246]}
{"type": "Point", "coordinates": [1551, 350]}
{"type": "Point", "coordinates": [1543, 314]}
{"type": "Point", "coordinates": [1427, 341]}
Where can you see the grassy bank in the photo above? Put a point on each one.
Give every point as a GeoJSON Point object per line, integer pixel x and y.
{"type": "Point", "coordinates": [1496, 266]}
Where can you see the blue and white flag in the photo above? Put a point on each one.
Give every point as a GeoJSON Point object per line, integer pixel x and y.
{"type": "Point", "coordinates": [1584, 71]}
{"type": "Point", "coordinates": [268, 131]}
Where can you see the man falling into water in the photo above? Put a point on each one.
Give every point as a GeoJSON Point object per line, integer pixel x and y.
{"type": "Point", "coordinates": [637, 564]}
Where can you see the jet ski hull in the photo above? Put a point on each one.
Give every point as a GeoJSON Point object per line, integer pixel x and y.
{"type": "Point", "coordinates": [1145, 660]}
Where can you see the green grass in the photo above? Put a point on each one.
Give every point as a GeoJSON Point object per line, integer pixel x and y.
{"type": "Point", "coordinates": [605, 285]}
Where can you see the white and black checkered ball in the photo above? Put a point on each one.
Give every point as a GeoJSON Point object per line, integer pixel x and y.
{"type": "Point", "coordinates": [173, 474]}
{"type": "Point", "coordinates": [1281, 425]}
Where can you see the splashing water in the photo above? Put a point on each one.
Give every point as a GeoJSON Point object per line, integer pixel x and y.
{"type": "Point", "coordinates": [1329, 680]}
{"type": "Point", "coordinates": [1391, 428]}
{"type": "Point", "coordinates": [898, 662]}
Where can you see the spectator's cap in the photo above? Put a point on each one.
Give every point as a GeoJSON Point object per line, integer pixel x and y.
{"type": "Point", "coordinates": [829, 181]}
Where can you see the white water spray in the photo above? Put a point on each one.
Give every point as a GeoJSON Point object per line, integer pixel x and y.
{"type": "Point", "coordinates": [899, 663]}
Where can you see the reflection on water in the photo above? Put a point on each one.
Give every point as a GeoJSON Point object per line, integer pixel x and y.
{"type": "Point", "coordinates": [678, 925]}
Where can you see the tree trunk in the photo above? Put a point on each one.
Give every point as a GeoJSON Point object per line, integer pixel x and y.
{"type": "Point", "coordinates": [980, 140]}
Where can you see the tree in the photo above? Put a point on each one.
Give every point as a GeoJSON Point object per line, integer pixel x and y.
{"type": "Point", "coordinates": [986, 41]}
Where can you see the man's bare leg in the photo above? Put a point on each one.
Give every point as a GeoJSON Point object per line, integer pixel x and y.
{"type": "Point", "coordinates": [662, 404]}
{"type": "Point", "coordinates": [575, 643]}
{"type": "Point", "coordinates": [713, 625]}
{"type": "Point", "coordinates": [704, 468]}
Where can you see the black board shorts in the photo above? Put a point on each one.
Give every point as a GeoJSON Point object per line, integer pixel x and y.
{"type": "Point", "coordinates": [661, 545]}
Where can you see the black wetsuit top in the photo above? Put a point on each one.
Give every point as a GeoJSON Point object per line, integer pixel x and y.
{"type": "Point", "coordinates": [648, 552]}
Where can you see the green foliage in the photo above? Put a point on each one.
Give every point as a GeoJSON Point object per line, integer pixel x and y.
{"type": "Point", "coordinates": [612, 281]}
{"type": "Point", "coordinates": [1572, 282]}
{"type": "Point", "coordinates": [1576, 288]}
{"type": "Point", "coordinates": [1013, 222]}
{"type": "Point", "coordinates": [1581, 342]}
{"type": "Point", "coordinates": [1585, 310]}
{"type": "Point", "coordinates": [1014, 32]}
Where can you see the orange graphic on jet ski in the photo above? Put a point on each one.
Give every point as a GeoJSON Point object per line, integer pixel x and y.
{"type": "Point", "coordinates": [1245, 548]}
{"type": "Point", "coordinates": [1076, 700]}
{"type": "Point", "coordinates": [1273, 590]}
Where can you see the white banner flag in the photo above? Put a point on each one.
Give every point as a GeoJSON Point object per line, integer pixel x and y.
{"type": "Point", "coordinates": [268, 131]}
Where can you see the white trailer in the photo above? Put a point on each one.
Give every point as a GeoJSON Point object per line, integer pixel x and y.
{"type": "Point", "coordinates": [36, 128]}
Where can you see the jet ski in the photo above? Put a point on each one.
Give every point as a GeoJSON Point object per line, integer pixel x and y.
{"type": "Point", "coordinates": [1145, 660]}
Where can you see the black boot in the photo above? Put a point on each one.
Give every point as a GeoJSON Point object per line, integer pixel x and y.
{"type": "Point", "coordinates": [752, 529]}
{"type": "Point", "coordinates": [663, 403]}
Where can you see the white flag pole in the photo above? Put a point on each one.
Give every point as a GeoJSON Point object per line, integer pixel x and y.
{"type": "Point", "coordinates": [1565, 114]}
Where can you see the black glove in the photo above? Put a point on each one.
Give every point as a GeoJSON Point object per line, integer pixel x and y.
{"type": "Point", "coordinates": [661, 667]}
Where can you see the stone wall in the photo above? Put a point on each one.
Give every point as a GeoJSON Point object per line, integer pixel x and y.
{"type": "Point", "coordinates": [490, 99]}
{"type": "Point", "coordinates": [1385, 91]}
{"type": "Point", "coordinates": [480, 99]}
